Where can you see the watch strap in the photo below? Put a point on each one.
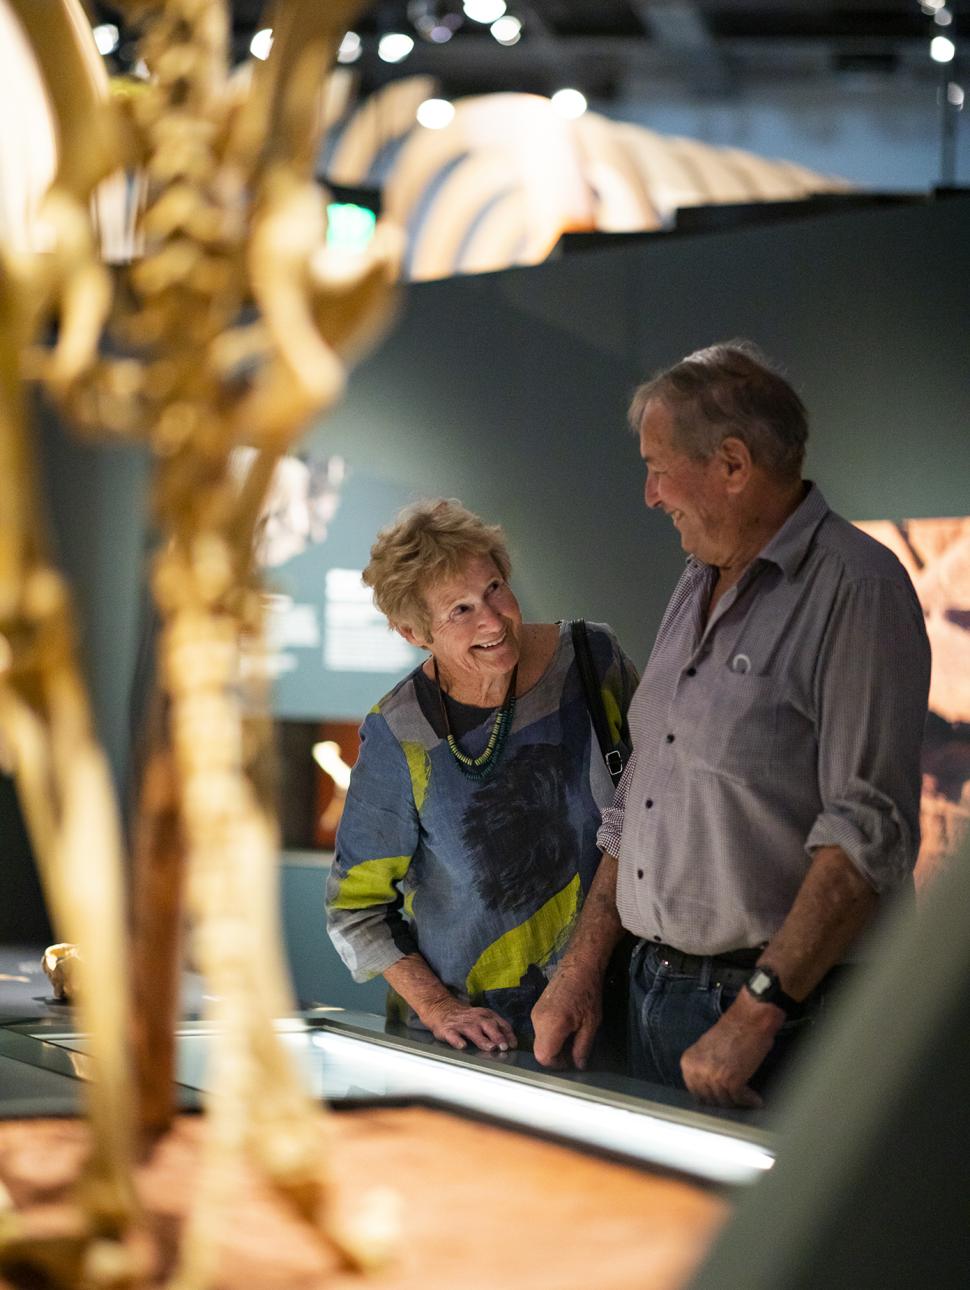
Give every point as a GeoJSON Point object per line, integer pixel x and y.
{"type": "Point", "coordinates": [763, 985]}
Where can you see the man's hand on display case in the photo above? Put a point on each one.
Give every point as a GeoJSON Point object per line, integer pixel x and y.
{"type": "Point", "coordinates": [567, 1017]}
{"type": "Point", "coordinates": [571, 1006]}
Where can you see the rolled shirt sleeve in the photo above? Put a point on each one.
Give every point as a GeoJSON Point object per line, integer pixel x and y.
{"type": "Point", "coordinates": [376, 841]}
{"type": "Point", "coordinates": [611, 827]}
{"type": "Point", "coordinates": [872, 685]}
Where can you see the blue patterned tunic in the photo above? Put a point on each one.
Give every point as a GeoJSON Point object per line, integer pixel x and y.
{"type": "Point", "coordinates": [484, 878]}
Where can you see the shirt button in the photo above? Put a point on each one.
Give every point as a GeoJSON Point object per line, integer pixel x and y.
{"type": "Point", "coordinates": [692, 671]}
{"type": "Point", "coordinates": [639, 873]}
{"type": "Point", "coordinates": [670, 739]}
{"type": "Point", "coordinates": [648, 803]}
{"type": "Point", "coordinates": [657, 938]}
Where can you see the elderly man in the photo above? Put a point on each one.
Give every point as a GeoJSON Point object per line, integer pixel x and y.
{"type": "Point", "coordinates": [772, 800]}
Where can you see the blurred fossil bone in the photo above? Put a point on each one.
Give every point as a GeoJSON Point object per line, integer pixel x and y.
{"type": "Point", "coordinates": [233, 218]}
{"type": "Point", "coordinates": [60, 964]}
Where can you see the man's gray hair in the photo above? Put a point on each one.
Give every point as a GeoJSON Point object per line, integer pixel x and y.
{"type": "Point", "coordinates": [727, 390]}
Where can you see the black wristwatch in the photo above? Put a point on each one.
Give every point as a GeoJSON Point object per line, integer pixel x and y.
{"type": "Point", "coordinates": [763, 985]}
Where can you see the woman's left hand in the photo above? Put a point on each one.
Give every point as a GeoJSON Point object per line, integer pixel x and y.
{"type": "Point", "coordinates": [449, 1019]}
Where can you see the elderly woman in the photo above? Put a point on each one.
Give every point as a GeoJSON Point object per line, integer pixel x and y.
{"type": "Point", "coordinates": [468, 837]}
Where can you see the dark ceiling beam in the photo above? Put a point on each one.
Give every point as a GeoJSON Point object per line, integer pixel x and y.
{"type": "Point", "coordinates": [678, 27]}
{"type": "Point", "coordinates": [540, 36]}
{"type": "Point", "coordinates": [484, 62]}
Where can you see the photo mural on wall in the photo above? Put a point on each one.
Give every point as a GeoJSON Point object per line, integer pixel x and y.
{"type": "Point", "coordinates": [300, 505]}
{"type": "Point", "coordinates": [936, 555]}
{"type": "Point", "coordinates": [331, 652]}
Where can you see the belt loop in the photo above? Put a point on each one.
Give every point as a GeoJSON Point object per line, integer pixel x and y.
{"type": "Point", "coordinates": [704, 980]}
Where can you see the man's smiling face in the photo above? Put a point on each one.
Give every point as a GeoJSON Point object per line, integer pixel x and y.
{"type": "Point", "coordinates": [691, 492]}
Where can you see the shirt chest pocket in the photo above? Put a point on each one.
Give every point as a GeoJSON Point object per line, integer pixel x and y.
{"type": "Point", "coordinates": [736, 734]}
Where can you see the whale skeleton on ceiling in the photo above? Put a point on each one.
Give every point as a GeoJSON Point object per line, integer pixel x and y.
{"type": "Point", "coordinates": [507, 176]}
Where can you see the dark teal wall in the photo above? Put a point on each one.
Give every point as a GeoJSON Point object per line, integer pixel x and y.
{"type": "Point", "coordinates": [97, 497]}
{"type": "Point", "coordinates": [510, 391]}
{"type": "Point", "coordinates": [96, 520]}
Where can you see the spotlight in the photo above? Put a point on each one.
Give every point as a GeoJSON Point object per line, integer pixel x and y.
{"type": "Point", "coordinates": [569, 103]}
{"type": "Point", "coordinates": [507, 30]}
{"type": "Point", "coordinates": [435, 114]}
{"type": "Point", "coordinates": [350, 48]}
{"type": "Point", "coordinates": [484, 11]}
{"type": "Point", "coordinates": [942, 49]}
{"type": "Point", "coordinates": [395, 47]}
{"type": "Point", "coordinates": [261, 44]}
{"type": "Point", "coordinates": [435, 20]}
{"type": "Point", "coordinates": [106, 37]}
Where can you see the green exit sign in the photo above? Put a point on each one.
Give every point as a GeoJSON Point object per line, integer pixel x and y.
{"type": "Point", "coordinates": [349, 227]}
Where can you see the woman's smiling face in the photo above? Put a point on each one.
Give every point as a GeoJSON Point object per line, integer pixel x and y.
{"type": "Point", "coordinates": [476, 625]}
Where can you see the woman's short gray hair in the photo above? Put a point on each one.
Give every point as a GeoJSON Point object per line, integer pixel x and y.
{"type": "Point", "coordinates": [729, 390]}
{"type": "Point", "coordinates": [428, 543]}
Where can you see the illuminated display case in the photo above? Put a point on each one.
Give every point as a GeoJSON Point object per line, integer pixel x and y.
{"type": "Point", "coordinates": [498, 1148]}
{"type": "Point", "coordinates": [348, 1055]}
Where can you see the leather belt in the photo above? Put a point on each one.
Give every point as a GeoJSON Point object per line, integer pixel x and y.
{"type": "Point", "coordinates": [731, 969]}
{"type": "Point", "coordinates": [734, 968]}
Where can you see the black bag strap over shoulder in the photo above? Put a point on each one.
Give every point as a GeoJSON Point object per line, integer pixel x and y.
{"type": "Point", "coordinates": [614, 754]}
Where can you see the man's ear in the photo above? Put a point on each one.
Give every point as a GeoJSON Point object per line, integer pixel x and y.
{"type": "Point", "coordinates": [735, 457]}
{"type": "Point", "coordinates": [411, 636]}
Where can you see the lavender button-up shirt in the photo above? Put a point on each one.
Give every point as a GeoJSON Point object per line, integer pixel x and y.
{"type": "Point", "coordinates": [791, 720]}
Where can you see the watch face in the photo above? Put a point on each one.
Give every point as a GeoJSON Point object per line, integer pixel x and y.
{"type": "Point", "coordinates": [759, 982]}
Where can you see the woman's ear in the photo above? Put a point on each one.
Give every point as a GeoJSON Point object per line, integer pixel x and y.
{"type": "Point", "coordinates": [411, 636]}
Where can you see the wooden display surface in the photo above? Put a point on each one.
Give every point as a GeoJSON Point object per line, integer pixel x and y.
{"type": "Point", "coordinates": [484, 1207]}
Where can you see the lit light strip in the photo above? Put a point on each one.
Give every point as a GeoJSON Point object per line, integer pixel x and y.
{"type": "Point", "coordinates": [717, 1157]}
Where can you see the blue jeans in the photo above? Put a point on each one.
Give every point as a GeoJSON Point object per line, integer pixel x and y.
{"type": "Point", "coordinates": [669, 1012]}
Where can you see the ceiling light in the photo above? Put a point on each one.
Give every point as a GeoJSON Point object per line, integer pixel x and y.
{"type": "Point", "coordinates": [106, 37]}
{"type": "Point", "coordinates": [931, 6]}
{"type": "Point", "coordinates": [435, 114]}
{"type": "Point", "coordinates": [261, 44]}
{"type": "Point", "coordinates": [395, 47]}
{"type": "Point", "coordinates": [435, 20]}
{"type": "Point", "coordinates": [350, 48]}
{"type": "Point", "coordinates": [943, 17]}
{"type": "Point", "coordinates": [506, 30]}
{"type": "Point", "coordinates": [954, 95]}
{"type": "Point", "coordinates": [942, 49]}
{"type": "Point", "coordinates": [484, 11]}
{"type": "Point", "coordinates": [569, 103]}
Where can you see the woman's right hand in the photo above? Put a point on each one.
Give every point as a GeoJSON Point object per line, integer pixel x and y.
{"type": "Point", "coordinates": [459, 1024]}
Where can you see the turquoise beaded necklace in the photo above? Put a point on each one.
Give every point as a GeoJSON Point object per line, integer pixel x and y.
{"type": "Point", "coordinates": [482, 766]}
